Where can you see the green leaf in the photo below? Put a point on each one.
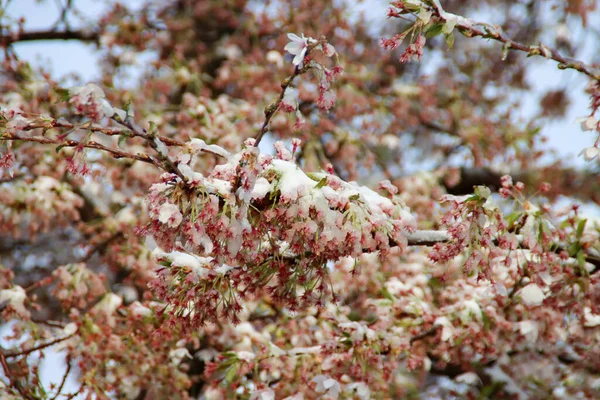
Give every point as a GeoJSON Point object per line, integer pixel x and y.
{"type": "Point", "coordinates": [60, 147]}
{"type": "Point", "coordinates": [434, 30]}
{"type": "Point", "coordinates": [580, 228]}
{"type": "Point", "coordinates": [231, 375]}
{"type": "Point", "coordinates": [513, 217]}
{"type": "Point", "coordinates": [64, 94]}
{"type": "Point", "coordinates": [122, 139]}
{"type": "Point", "coordinates": [450, 40]}
{"type": "Point", "coordinates": [385, 293]}
{"type": "Point", "coordinates": [411, 7]}
{"type": "Point", "coordinates": [321, 183]}
{"type": "Point", "coordinates": [354, 197]}
{"type": "Point", "coordinates": [581, 260]}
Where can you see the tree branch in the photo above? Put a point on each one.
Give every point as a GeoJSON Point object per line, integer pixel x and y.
{"type": "Point", "coordinates": [471, 28]}
{"type": "Point", "coordinates": [116, 153]}
{"type": "Point", "coordinates": [31, 36]}
{"type": "Point", "coordinates": [39, 347]}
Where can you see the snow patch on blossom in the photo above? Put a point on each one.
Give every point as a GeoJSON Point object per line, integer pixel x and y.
{"type": "Point", "coordinates": [199, 145]}
{"type": "Point", "coordinates": [170, 215]}
{"type": "Point", "coordinates": [532, 295]}
{"type": "Point", "coordinates": [180, 259]}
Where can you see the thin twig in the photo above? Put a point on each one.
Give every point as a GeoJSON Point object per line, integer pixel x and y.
{"type": "Point", "coordinates": [15, 37]}
{"type": "Point", "coordinates": [39, 347]}
{"type": "Point", "coordinates": [100, 246]}
{"type": "Point", "coordinates": [273, 107]}
{"type": "Point", "coordinates": [429, 332]}
{"type": "Point", "coordinates": [8, 374]}
{"type": "Point", "coordinates": [64, 379]}
{"type": "Point", "coordinates": [116, 153]}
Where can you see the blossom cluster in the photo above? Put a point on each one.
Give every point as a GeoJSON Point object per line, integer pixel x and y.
{"type": "Point", "coordinates": [260, 223]}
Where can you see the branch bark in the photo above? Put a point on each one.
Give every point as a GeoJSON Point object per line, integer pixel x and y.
{"type": "Point", "coordinates": [30, 36]}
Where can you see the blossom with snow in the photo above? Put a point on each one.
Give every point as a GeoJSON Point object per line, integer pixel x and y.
{"type": "Point", "coordinates": [289, 103]}
{"type": "Point", "coordinates": [91, 101]}
{"type": "Point", "coordinates": [532, 295]}
{"type": "Point", "coordinates": [327, 385]}
{"type": "Point", "coordinates": [170, 215]}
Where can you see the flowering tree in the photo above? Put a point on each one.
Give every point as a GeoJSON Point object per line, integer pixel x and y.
{"type": "Point", "coordinates": [267, 214]}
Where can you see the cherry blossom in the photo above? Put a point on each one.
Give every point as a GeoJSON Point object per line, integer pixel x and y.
{"type": "Point", "coordinates": [298, 46]}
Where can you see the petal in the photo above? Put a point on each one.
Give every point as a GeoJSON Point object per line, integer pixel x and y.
{"type": "Point", "coordinates": [293, 47]}
{"type": "Point", "coordinates": [294, 38]}
{"type": "Point", "coordinates": [299, 57]}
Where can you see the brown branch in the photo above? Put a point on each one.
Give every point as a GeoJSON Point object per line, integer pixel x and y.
{"type": "Point", "coordinates": [429, 332]}
{"type": "Point", "coordinates": [116, 153]}
{"type": "Point", "coordinates": [583, 185]}
{"type": "Point", "coordinates": [82, 36]}
{"type": "Point", "coordinates": [100, 246]}
{"type": "Point", "coordinates": [8, 374]}
{"type": "Point", "coordinates": [64, 379]}
{"type": "Point", "coordinates": [471, 28]}
{"type": "Point", "coordinates": [39, 347]}
{"type": "Point", "coordinates": [273, 107]}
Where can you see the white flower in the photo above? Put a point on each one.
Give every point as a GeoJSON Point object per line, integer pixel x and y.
{"type": "Point", "coordinates": [298, 47]}
{"type": "Point", "coordinates": [589, 153]}
{"type": "Point", "coordinates": [471, 311]}
{"type": "Point", "coordinates": [532, 295]}
{"type": "Point", "coordinates": [588, 124]}
{"type": "Point", "coordinates": [327, 384]}
{"type": "Point", "coordinates": [17, 122]}
{"type": "Point", "coordinates": [109, 303]}
{"type": "Point", "coordinates": [177, 355]}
